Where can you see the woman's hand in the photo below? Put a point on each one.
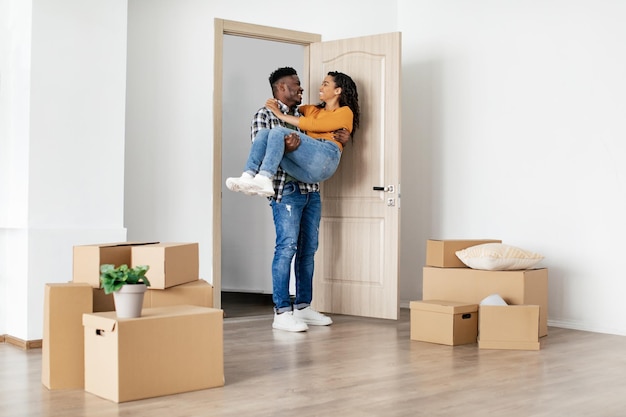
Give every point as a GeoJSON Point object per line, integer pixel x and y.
{"type": "Point", "coordinates": [272, 104]}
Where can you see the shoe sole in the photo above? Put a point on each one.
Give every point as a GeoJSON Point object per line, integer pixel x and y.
{"type": "Point", "coordinates": [265, 193]}
{"type": "Point", "coordinates": [248, 187]}
{"type": "Point", "coordinates": [316, 323]}
{"type": "Point", "coordinates": [289, 329]}
{"type": "Point", "coordinates": [238, 186]}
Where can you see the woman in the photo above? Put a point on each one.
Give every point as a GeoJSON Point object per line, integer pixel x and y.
{"type": "Point", "coordinates": [317, 157]}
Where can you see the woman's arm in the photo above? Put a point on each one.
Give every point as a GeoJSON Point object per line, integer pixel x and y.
{"type": "Point", "coordinates": [272, 104]}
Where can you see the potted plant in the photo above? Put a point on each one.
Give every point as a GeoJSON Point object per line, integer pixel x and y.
{"type": "Point", "coordinates": [128, 286]}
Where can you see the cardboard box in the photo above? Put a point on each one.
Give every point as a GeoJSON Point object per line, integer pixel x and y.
{"type": "Point", "coordinates": [444, 322]}
{"type": "Point", "coordinates": [509, 327]}
{"type": "Point", "coordinates": [62, 360]}
{"type": "Point", "coordinates": [170, 263]}
{"type": "Point", "coordinates": [88, 258]}
{"type": "Point", "coordinates": [102, 302]}
{"type": "Point", "coordinates": [168, 350]}
{"type": "Point", "coordinates": [529, 286]}
{"type": "Point", "coordinates": [442, 253]}
{"type": "Point", "coordinates": [196, 293]}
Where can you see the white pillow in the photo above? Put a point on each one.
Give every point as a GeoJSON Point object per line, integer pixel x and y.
{"type": "Point", "coordinates": [493, 300]}
{"type": "Point", "coordinates": [498, 257]}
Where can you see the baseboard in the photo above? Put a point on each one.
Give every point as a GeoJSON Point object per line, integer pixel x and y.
{"type": "Point", "coordinates": [22, 344]}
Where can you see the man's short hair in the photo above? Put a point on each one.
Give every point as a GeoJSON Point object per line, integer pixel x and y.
{"type": "Point", "coordinates": [281, 73]}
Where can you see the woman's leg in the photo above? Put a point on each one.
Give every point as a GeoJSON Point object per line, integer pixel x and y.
{"type": "Point", "coordinates": [245, 183]}
{"type": "Point", "coordinates": [274, 151]}
{"type": "Point", "coordinates": [257, 152]}
{"type": "Point", "coordinates": [313, 161]}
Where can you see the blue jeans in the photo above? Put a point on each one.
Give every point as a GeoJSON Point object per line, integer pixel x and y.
{"type": "Point", "coordinates": [314, 160]}
{"type": "Point", "coordinates": [297, 220]}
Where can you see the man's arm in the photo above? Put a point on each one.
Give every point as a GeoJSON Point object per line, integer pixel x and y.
{"type": "Point", "coordinates": [342, 136]}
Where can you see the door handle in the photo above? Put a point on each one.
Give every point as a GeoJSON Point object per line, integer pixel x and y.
{"type": "Point", "coordinates": [388, 188]}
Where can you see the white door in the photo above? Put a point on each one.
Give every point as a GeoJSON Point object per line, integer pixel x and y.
{"type": "Point", "coordinates": [356, 267]}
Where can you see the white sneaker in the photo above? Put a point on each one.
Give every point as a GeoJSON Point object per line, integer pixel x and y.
{"type": "Point", "coordinates": [312, 317]}
{"type": "Point", "coordinates": [286, 321]}
{"type": "Point", "coordinates": [243, 184]}
{"type": "Point", "coordinates": [262, 185]}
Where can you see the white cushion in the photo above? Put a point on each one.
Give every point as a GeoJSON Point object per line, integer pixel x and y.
{"type": "Point", "coordinates": [493, 300]}
{"type": "Point", "coordinates": [498, 257]}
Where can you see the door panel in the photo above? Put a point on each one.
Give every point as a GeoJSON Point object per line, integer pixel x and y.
{"type": "Point", "coordinates": [357, 263]}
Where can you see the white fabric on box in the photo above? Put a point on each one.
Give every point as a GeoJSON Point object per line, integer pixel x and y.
{"type": "Point", "coordinates": [498, 257]}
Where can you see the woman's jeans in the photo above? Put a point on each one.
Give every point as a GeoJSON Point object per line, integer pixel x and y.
{"type": "Point", "coordinates": [297, 219]}
{"type": "Point", "coordinates": [314, 160]}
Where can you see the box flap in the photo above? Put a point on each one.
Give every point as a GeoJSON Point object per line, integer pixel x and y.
{"type": "Point", "coordinates": [117, 244]}
{"type": "Point", "coordinates": [106, 321]}
{"type": "Point", "coordinates": [444, 306]}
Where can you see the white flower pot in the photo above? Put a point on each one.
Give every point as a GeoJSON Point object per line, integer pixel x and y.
{"type": "Point", "coordinates": [129, 300]}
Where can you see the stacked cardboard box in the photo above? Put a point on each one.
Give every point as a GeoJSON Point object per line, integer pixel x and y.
{"type": "Point", "coordinates": [444, 322]}
{"type": "Point", "coordinates": [62, 348]}
{"type": "Point", "coordinates": [503, 328]}
{"type": "Point", "coordinates": [174, 268]}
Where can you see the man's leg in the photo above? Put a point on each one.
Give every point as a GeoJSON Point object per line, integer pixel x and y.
{"type": "Point", "coordinates": [287, 216]}
{"type": "Point", "coordinates": [305, 262]}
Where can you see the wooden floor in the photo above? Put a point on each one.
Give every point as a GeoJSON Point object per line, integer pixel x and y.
{"type": "Point", "coordinates": [238, 304]}
{"type": "Point", "coordinates": [360, 367]}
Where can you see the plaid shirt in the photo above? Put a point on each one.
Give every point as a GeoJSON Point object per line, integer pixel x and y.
{"type": "Point", "coordinates": [265, 119]}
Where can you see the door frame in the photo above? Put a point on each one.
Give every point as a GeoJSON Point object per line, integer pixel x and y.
{"type": "Point", "coordinates": [234, 28]}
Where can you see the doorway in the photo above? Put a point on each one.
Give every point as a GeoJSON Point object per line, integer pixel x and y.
{"type": "Point", "coordinates": [364, 208]}
{"type": "Point", "coordinates": [245, 57]}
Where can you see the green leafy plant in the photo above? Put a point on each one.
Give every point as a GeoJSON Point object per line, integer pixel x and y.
{"type": "Point", "coordinates": [113, 278]}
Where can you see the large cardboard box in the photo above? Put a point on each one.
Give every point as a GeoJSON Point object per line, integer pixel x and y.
{"type": "Point", "coordinates": [442, 253]}
{"type": "Point", "coordinates": [197, 293]}
{"type": "Point", "coordinates": [444, 322]}
{"type": "Point", "coordinates": [509, 327]}
{"type": "Point", "coordinates": [88, 258]}
{"type": "Point", "coordinates": [168, 350]}
{"type": "Point", "coordinates": [170, 263]}
{"type": "Point", "coordinates": [62, 360]}
{"type": "Point", "coordinates": [529, 286]}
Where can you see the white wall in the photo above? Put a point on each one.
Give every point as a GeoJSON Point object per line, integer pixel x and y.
{"type": "Point", "coordinates": [64, 145]}
{"type": "Point", "coordinates": [15, 35]}
{"type": "Point", "coordinates": [517, 112]}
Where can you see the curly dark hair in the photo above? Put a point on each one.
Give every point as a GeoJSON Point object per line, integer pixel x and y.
{"type": "Point", "coordinates": [349, 96]}
{"type": "Point", "coordinates": [279, 74]}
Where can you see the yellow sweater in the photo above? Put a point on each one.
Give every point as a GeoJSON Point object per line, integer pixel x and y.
{"type": "Point", "coordinates": [321, 123]}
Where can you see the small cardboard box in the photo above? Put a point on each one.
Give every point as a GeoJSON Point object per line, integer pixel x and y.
{"type": "Point", "coordinates": [88, 258]}
{"type": "Point", "coordinates": [62, 360]}
{"type": "Point", "coordinates": [442, 253]}
{"type": "Point", "coordinates": [170, 263]}
{"type": "Point", "coordinates": [509, 327]}
{"type": "Point", "coordinates": [196, 293]}
{"type": "Point", "coordinates": [168, 350]}
{"type": "Point", "coordinates": [529, 286]}
{"type": "Point", "coordinates": [444, 322]}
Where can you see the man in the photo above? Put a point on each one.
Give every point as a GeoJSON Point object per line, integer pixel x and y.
{"type": "Point", "coordinates": [297, 211]}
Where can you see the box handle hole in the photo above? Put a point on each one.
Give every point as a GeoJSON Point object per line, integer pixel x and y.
{"type": "Point", "coordinates": [466, 316]}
